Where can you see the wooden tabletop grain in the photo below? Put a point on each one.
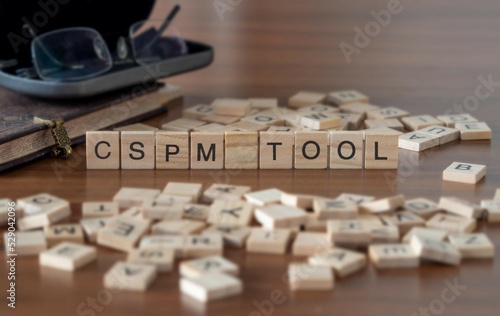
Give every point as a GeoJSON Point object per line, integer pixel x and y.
{"type": "Point", "coordinates": [428, 59]}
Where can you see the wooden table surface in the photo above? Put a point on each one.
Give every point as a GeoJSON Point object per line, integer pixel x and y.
{"type": "Point", "coordinates": [427, 60]}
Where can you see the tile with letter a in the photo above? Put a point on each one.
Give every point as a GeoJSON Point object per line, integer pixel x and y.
{"type": "Point", "coordinates": [416, 141]}
{"type": "Point", "coordinates": [241, 150]}
{"type": "Point", "coordinates": [197, 112]}
{"type": "Point", "coordinates": [122, 233]}
{"type": "Point", "coordinates": [464, 172]}
{"type": "Point", "coordinates": [309, 243]}
{"type": "Point", "coordinates": [303, 276]}
{"type": "Point", "coordinates": [381, 149]}
{"type": "Point", "coordinates": [169, 242]}
{"type": "Point", "coordinates": [138, 150]}
{"type": "Point", "coordinates": [473, 245]}
{"type": "Point", "coordinates": [276, 150]}
{"type": "Point", "coordinates": [99, 209]}
{"type": "Point", "coordinates": [25, 243]}
{"type": "Point", "coordinates": [214, 264]}
{"type": "Point", "coordinates": [453, 224]}
{"type": "Point", "coordinates": [233, 236]}
{"type": "Point", "coordinates": [211, 286]}
{"type": "Point", "coordinates": [460, 207]}
{"type": "Point", "coordinates": [237, 213]}
{"type": "Point", "coordinates": [42, 210]}
{"type": "Point", "coordinates": [493, 210]}
{"type": "Point", "coordinates": [435, 250]}
{"type": "Point", "coordinates": [346, 150]}
{"type": "Point", "coordinates": [68, 256]}
{"type": "Point", "coordinates": [393, 256]}
{"type": "Point", "coordinates": [335, 209]}
{"type": "Point", "coordinates": [103, 149]}
{"type": "Point", "coordinates": [445, 134]}
{"type": "Point", "coordinates": [130, 276]}
{"type": "Point", "coordinates": [263, 240]}
{"type": "Point", "coordinates": [347, 97]}
{"type": "Point", "coordinates": [219, 191]}
{"type": "Point", "coordinates": [207, 150]}
{"type": "Point", "coordinates": [423, 207]}
{"type": "Point", "coordinates": [305, 98]}
{"type": "Point", "coordinates": [55, 234]}
{"type": "Point", "coordinates": [172, 150]}
{"type": "Point", "coordinates": [311, 150]}
{"type": "Point", "coordinates": [417, 122]}
{"type": "Point", "coordinates": [280, 216]}
{"type": "Point", "coordinates": [128, 197]}
{"type": "Point", "coordinates": [404, 220]}
{"type": "Point", "coordinates": [451, 120]}
{"type": "Point", "coordinates": [342, 261]}
{"type": "Point", "coordinates": [264, 197]}
{"type": "Point", "coordinates": [196, 246]}
{"type": "Point", "coordinates": [163, 259]}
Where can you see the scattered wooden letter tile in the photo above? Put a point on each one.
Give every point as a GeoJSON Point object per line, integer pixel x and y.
{"type": "Point", "coordinates": [387, 113]}
{"type": "Point", "coordinates": [280, 216]}
{"type": "Point", "coordinates": [493, 209]}
{"type": "Point", "coordinates": [264, 197]}
{"type": "Point", "coordinates": [246, 126]}
{"type": "Point", "coordinates": [346, 150]}
{"type": "Point", "coordinates": [25, 243]}
{"type": "Point", "coordinates": [303, 201]}
{"type": "Point", "coordinates": [197, 212]}
{"type": "Point", "coordinates": [393, 256]}
{"type": "Point", "coordinates": [182, 125]}
{"type": "Point", "coordinates": [417, 122]}
{"type": "Point", "coordinates": [233, 236]}
{"type": "Point", "coordinates": [474, 131]}
{"type": "Point", "coordinates": [220, 119]}
{"type": "Point", "coordinates": [68, 256]}
{"type": "Point", "coordinates": [381, 149]}
{"type": "Point", "coordinates": [314, 224]}
{"type": "Point", "coordinates": [304, 98]}
{"type": "Point", "coordinates": [452, 223]}
{"type": "Point", "coordinates": [163, 259]}
{"type": "Point", "coordinates": [356, 198]}
{"type": "Point", "coordinates": [319, 120]}
{"type": "Point", "coordinates": [130, 276]}
{"type": "Point", "coordinates": [211, 286]}
{"type": "Point", "coordinates": [172, 150]}
{"type": "Point", "coordinates": [346, 97]}
{"type": "Point", "coordinates": [55, 234]}
{"type": "Point", "coordinates": [192, 190]}
{"type": "Point", "coordinates": [423, 207]}
{"type": "Point", "coordinates": [342, 261]}
{"type": "Point", "coordinates": [417, 141]}
{"type": "Point", "coordinates": [99, 209]}
{"type": "Point", "coordinates": [435, 250]}
{"type": "Point", "coordinates": [311, 150]}
{"type": "Point", "coordinates": [460, 207]}
{"type": "Point", "coordinates": [241, 150]}
{"type": "Point", "coordinates": [404, 220]}
{"type": "Point", "coordinates": [218, 191]}
{"type": "Point", "coordinates": [425, 232]}
{"type": "Point", "coordinates": [384, 205]}
{"type": "Point", "coordinates": [303, 276]}
{"type": "Point", "coordinates": [214, 264]}
{"type": "Point", "coordinates": [473, 245]}
{"type": "Point", "coordinates": [384, 234]}
{"type": "Point", "coordinates": [451, 120]}
{"type": "Point", "coordinates": [128, 197]}
{"type": "Point", "coordinates": [92, 226]}
{"type": "Point", "coordinates": [197, 112]}
{"type": "Point", "coordinates": [5, 206]}
{"type": "Point", "coordinates": [263, 103]}
{"type": "Point", "coordinates": [349, 232]}
{"type": "Point", "coordinates": [233, 107]}
{"type": "Point", "coordinates": [170, 242]}
{"type": "Point", "coordinates": [234, 213]}
{"type": "Point", "coordinates": [177, 227]}
{"type": "Point", "coordinates": [335, 209]}
{"type": "Point", "coordinates": [266, 118]}
{"type": "Point", "coordinates": [163, 208]}
{"type": "Point", "coordinates": [358, 108]}
{"type": "Point", "coordinates": [393, 123]}
{"type": "Point", "coordinates": [445, 134]}
{"type": "Point", "coordinates": [42, 210]}
{"type": "Point", "coordinates": [213, 128]}
{"type": "Point", "coordinates": [122, 233]}
{"type": "Point", "coordinates": [354, 120]}
{"type": "Point", "coordinates": [196, 246]}
{"type": "Point", "coordinates": [276, 150]}
{"type": "Point", "coordinates": [138, 150]}
{"type": "Point", "coordinates": [317, 108]}
{"type": "Point", "coordinates": [103, 150]}
{"type": "Point", "coordinates": [309, 243]}
{"type": "Point", "coordinates": [464, 172]}
{"type": "Point", "coordinates": [263, 240]}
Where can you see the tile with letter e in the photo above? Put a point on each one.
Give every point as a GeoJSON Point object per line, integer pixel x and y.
{"type": "Point", "coordinates": [309, 243]}
{"type": "Point", "coordinates": [172, 150]}
{"type": "Point", "coordinates": [214, 264]}
{"type": "Point", "coordinates": [99, 209]}
{"type": "Point", "coordinates": [417, 141]}
{"type": "Point", "coordinates": [346, 97]}
{"type": "Point", "coordinates": [276, 150]}
{"type": "Point", "coordinates": [460, 207]}
{"type": "Point", "coordinates": [474, 131]}
{"type": "Point", "coordinates": [55, 234]}
{"type": "Point", "coordinates": [434, 250]}
{"type": "Point", "coordinates": [162, 259]}
{"type": "Point", "coordinates": [127, 197]}
{"type": "Point", "coordinates": [303, 276]}
{"type": "Point", "coordinates": [196, 246]}
{"type": "Point", "coordinates": [280, 216]}
{"type": "Point", "coordinates": [237, 213]}
{"type": "Point", "coordinates": [391, 256]}
{"type": "Point", "coordinates": [211, 287]}
{"type": "Point", "coordinates": [346, 150]}
{"type": "Point", "coordinates": [342, 261]}
{"type": "Point", "coordinates": [219, 191]}
{"type": "Point", "coordinates": [381, 149]}
{"type": "Point", "coordinates": [417, 122]}
{"type": "Point", "coordinates": [453, 224]}
{"type": "Point", "coordinates": [138, 150]}
{"type": "Point", "coordinates": [103, 149]}
{"type": "Point", "coordinates": [473, 245]}
{"type": "Point", "coordinates": [423, 207]}
{"type": "Point", "coordinates": [25, 243]}
{"type": "Point", "coordinates": [311, 150]}
{"type": "Point", "coordinates": [305, 98]}
{"type": "Point", "coordinates": [130, 276]}
{"type": "Point", "coordinates": [464, 172]}
{"type": "Point", "coordinates": [451, 120]}
{"type": "Point", "coordinates": [122, 233]}
{"type": "Point", "coordinates": [68, 256]}
{"type": "Point", "coordinates": [445, 134]}
{"type": "Point", "coordinates": [263, 240]}
{"type": "Point", "coordinates": [335, 209]}
{"type": "Point", "coordinates": [241, 150]}
{"type": "Point", "coordinates": [233, 236]}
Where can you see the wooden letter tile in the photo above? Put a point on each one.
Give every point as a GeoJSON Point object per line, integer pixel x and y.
{"type": "Point", "coordinates": [233, 236]}
{"type": "Point", "coordinates": [417, 141]}
{"type": "Point", "coordinates": [393, 256]}
{"type": "Point", "coordinates": [138, 150]}
{"type": "Point", "coordinates": [335, 209]}
{"type": "Point", "coordinates": [215, 264]}
{"type": "Point", "coordinates": [474, 131]}
{"type": "Point", "coordinates": [393, 123]}
{"type": "Point", "coordinates": [342, 261]}
{"type": "Point", "coordinates": [99, 209]}
{"type": "Point", "coordinates": [103, 150]}
{"type": "Point", "coordinates": [473, 245]}
{"type": "Point", "coordinates": [304, 98]}
{"type": "Point", "coordinates": [173, 243]}
{"type": "Point", "coordinates": [384, 205]}
{"type": "Point", "coordinates": [347, 97]}
{"type": "Point", "coordinates": [404, 220]}
{"type": "Point", "coordinates": [122, 233]}
{"type": "Point", "coordinates": [435, 250]}
{"type": "Point", "coordinates": [92, 226]}
{"type": "Point", "coordinates": [309, 243]}
{"type": "Point", "coordinates": [68, 256]}
{"type": "Point", "coordinates": [384, 234]}
{"type": "Point", "coordinates": [162, 259]}
{"type": "Point", "coordinates": [196, 212]}
{"type": "Point", "coordinates": [264, 197]}
{"type": "Point", "coordinates": [356, 198]}
{"type": "Point", "coordinates": [280, 216]}
{"type": "Point", "coordinates": [311, 150]}
{"type": "Point", "coordinates": [197, 112]}
{"type": "Point", "coordinates": [460, 207]}
{"type": "Point", "coordinates": [234, 107]}
{"type": "Point", "coordinates": [225, 192]}
{"type": "Point", "coordinates": [182, 125]}
{"type": "Point", "coordinates": [56, 234]}
{"type": "Point", "coordinates": [163, 208]}
{"type": "Point", "coordinates": [425, 232]}
{"type": "Point", "coordinates": [493, 209]}
{"type": "Point", "coordinates": [349, 232]}
{"type": "Point", "coordinates": [263, 240]}
{"type": "Point", "coordinates": [304, 276]}
{"type": "Point", "coordinates": [451, 120]}
{"type": "Point", "coordinates": [211, 286]}
{"type": "Point", "coordinates": [130, 276]}
{"type": "Point", "coordinates": [417, 122]}
{"type": "Point", "coordinates": [263, 103]}
{"type": "Point", "coordinates": [128, 197]}
{"type": "Point", "coordinates": [234, 213]}
{"type": "Point", "coordinates": [346, 150]}
{"type": "Point", "coordinates": [241, 150]}
{"type": "Point", "coordinates": [319, 120]}
{"type": "Point", "coordinates": [177, 227]}
{"type": "Point", "coordinates": [25, 243]}
{"type": "Point", "coordinates": [445, 134]}
{"type": "Point", "coordinates": [358, 108]}
{"type": "Point", "coordinates": [276, 150]}
{"type": "Point", "coordinates": [172, 150]}
{"type": "Point", "coordinates": [423, 207]}
{"type": "Point", "coordinates": [197, 246]}
{"type": "Point", "coordinates": [451, 223]}
{"type": "Point", "coordinates": [42, 210]}
{"type": "Point", "coordinates": [387, 113]}
{"type": "Point", "coordinates": [192, 190]}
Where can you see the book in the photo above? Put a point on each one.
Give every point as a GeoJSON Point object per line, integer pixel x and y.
{"type": "Point", "coordinates": [23, 137]}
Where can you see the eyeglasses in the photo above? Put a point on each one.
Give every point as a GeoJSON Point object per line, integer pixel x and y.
{"type": "Point", "coordinates": [79, 53]}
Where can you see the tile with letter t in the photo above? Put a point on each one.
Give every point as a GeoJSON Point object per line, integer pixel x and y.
{"type": "Point", "coordinates": [464, 172]}
{"type": "Point", "coordinates": [163, 259]}
{"type": "Point", "coordinates": [238, 213]}
{"type": "Point", "coordinates": [138, 150]}
{"type": "Point", "coordinates": [241, 150]}
{"type": "Point", "coordinates": [214, 264]}
{"type": "Point", "coordinates": [103, 149]}
{"type": "Point", "coordinates": [473, 245]}
{"type": "Point", "coordinates": [122, 233]}
{"type": "Point", "coordinates": [445, 134]}
{"type": "Point", "coordinates": [347, 97]}
{"type": "Point", "coordinates": [207, 150]}
{"type": "Point", "coordinates": [346, 150]}
{"type": "Point", "coordinates": [311, 150]}
{"type": "Point", "coordinates": [99, 209]}
{"type": "Point", "coordinates": [211, 286]}
{"type": "Point", "coordinates": [196, 246]}
{"type": "Point", "coordinates": [55, 234]}
{"type": "Point", "coordinates": [342, 261]}
{"type": "Point", "coordinates": [172, 150]}
{"type": "Point", "coordinates": [381, 149]}
{"type": "Point", "coordinates": [25, 243]}
{"type": "Point", "coordinates": [393, 256]}
{"type": "Point", "coordinates": [263, 240]}
{"type": "Point", "coordinates": [434, 250]}
{"type": "Point", "coordinates": [276, 150]}
{"type": "Point", "coordinates": [130, 276]}
{"type": "Point", "coordinates": [303, 276]}
{"type": "Point", "coordinates": [68, 256]}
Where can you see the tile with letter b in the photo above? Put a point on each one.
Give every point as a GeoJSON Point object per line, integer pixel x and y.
{"type": "Point", "coordinates": [241, 150]}
{"type": "Point", "coordinates": [276, 150]}
{"type": "Point", "coordinates": [103, 149]}
{"type": "Point", "coordinates": [172, 150]}
{"type": "Point", "coordinates": [68, 256]}
{"type": "Point", "coordinates": [138, 150]}
{"type": "Point", "coordinates": [346, 150]}
{"type": "Point", "coordinates": [464, 172]}
{"type": "Point", "coordinates": [311, 150]}
{"type": "Point", "coordinates": [342, 261]}
{"type": "Point", "coordinates": [130, 276]}
{"type": "Point", "coordinates": [393, 256]}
